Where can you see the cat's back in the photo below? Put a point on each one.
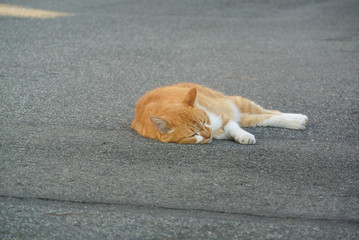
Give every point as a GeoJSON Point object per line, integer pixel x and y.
{"type": "Point", "coordinates": [173, 94]}
{"type": "Point", "coordinates": [165, 94]}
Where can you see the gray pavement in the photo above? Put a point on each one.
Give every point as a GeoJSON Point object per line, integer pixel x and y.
{"type": "Point", "coordinates": [71, 168]}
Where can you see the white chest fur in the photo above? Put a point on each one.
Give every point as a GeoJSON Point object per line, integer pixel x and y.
{"type": "Point", "coordinates": [216, 121]}
{"type": "Point", "coordinates": [231, 130]}
{"type": "Point", "coordinates": [236, 114]}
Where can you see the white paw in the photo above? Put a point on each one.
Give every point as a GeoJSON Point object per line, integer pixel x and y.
{"type": "Point", "coordinates": [245, 138]}
{"type": "Point", "coordinates": [295, 121]}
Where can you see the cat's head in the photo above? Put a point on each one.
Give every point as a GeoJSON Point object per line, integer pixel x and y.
{"type": "Point", "coordinates": [183, 123]}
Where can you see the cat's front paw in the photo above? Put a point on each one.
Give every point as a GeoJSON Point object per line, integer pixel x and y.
{"type": "Point", "coordinates": [245, 138]}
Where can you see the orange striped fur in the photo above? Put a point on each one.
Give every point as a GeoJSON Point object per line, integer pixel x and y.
{"type": "Point", "coordinates": [191, 113]}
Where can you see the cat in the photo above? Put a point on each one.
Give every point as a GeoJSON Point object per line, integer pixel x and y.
{"type": "Point", "coordinates": [192, 113]}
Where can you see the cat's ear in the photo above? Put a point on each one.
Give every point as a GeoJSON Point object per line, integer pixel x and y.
{"type": "Point", "coordinates": [160, 124]}
{"type": "Point", "coordinates": [191, 97]}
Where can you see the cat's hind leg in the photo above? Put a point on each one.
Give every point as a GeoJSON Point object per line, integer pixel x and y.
{"type": "Point", "coordinates": [282, 120]}
{"type": "Point", "coordinates": [253, 115]}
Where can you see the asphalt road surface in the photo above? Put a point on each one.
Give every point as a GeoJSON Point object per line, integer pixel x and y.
{"type": "Point", "coordinates": [71, 167]}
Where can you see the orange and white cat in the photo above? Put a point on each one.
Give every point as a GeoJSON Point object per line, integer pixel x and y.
{"type": "Point", "coordinates": [191, 113]}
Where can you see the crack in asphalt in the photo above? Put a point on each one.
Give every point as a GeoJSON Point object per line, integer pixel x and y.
{"type": "Point", "coordinates": [154, 207]}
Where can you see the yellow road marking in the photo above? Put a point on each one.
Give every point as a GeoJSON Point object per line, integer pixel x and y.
{"type": "Point", "coordinates": [22, 12]}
